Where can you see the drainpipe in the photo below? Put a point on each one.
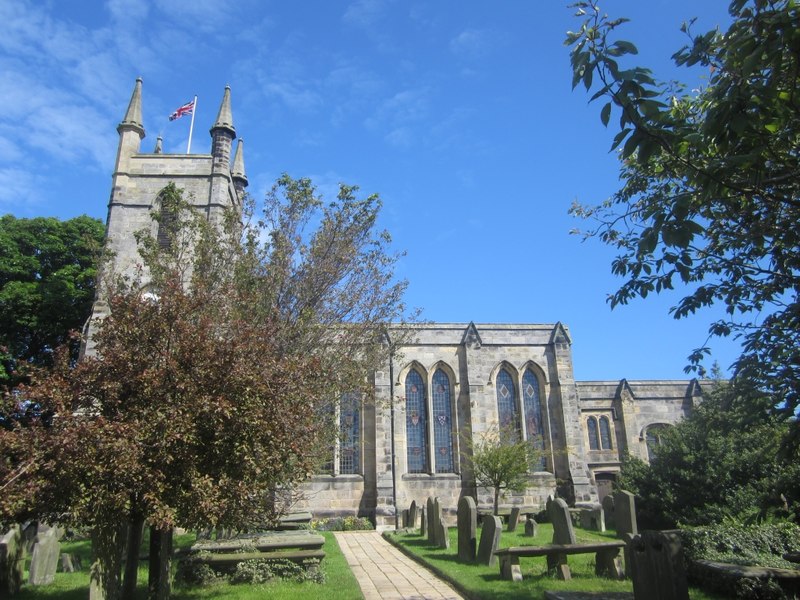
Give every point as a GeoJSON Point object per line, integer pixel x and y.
{"type": "Point", "coordinates": [391, 407]}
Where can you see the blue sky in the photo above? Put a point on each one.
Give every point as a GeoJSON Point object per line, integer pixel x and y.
{"type": "Point", "coordinates": [459, 114]}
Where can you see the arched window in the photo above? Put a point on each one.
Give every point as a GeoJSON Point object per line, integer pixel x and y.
{"type": "Point", "coordinates": [532, 405]}
{"type": "Point", "coordinates": [416, 423]}
{"type": "Point", "coordinates": [605, 434]}
{"type": "Point", "coordinates": [594, 439]}
{"type": "Point", "coordinates": [653, 438]}
{"type": "Point", "coordinates": [167, 221]}
{"type": "Point", "coordinates": [349, 434]}
{"type": "Point", "coordinates": [442, 422]}
{"type": "Point", "coordinates": [507, 403]}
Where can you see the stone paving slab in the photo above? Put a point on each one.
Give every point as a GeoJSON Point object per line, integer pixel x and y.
{"type": "Point", "coordinates": [385, 573]}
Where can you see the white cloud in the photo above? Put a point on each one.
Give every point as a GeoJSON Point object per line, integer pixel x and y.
{"type": "Point", "coordinates": [471, 43]}
{"type": "Point", "coordinates": [365, 13]}
{"type": "Point", "coordinates": [128, 10]}
{"type": "Point", "coordinates": [19, 190]}
{"type": "Point", "coordinates": [398, 112]}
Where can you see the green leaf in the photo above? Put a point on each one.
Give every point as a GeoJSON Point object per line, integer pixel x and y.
{"type": "Point", "coordinates": [605, 114]}
{"type": "Point", "coordinates": [625, 47]}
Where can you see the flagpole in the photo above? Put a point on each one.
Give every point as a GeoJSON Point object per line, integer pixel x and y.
{"type": "Point", "coordinates": [191, 127]}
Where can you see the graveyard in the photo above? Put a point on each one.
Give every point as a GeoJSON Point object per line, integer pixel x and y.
{"type": "Point", "coordinates": [523, 558]}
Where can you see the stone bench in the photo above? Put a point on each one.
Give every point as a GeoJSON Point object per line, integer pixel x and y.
{"type": "Point", "coordinates": [607, 560]}
{"type": "Point", "coordinates": [265, 543]}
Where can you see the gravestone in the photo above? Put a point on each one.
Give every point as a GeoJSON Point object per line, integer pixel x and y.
{"type": "Point", "coordinates": [44, 558]}
{"type": "Point", "coordinates": [12, 562]}
{"type": "Point", "coordinates": [467, 521]}
{"type": "Point", "coordinates": [490, 540]}
{"type": "Point", "coordinates": [625, 521]}
{"type": "Point", "coordinates": [608, 511]}
{"type": "Point", "coordinates": [404, 518]}
{"type": "Point", "coordinates": [558, 511]}
{"type": "Point", "coordinates": [657, 567]}
{"type": "Point", "coordinates": [442, 536]}
{"type": "Point", "coordinates": [625, 513]}
{"type": "Point", "coordinates": [563, 533]}
{"type": "Point", "coordinates": [591, 517]}
{"type": "Point", "coordinates": [530, 527]}
{"type": "Point", "coordinates": [412, 514]}
{"type": "Point", "coordinates": [437, 522]}
{"type": "Point", "coordinates": [423, 527]}
{"type": "Point", "coordinates": [431, 523]}
{"type": "Point", "coordinates": [513, 519]}
{"type": "Point", "coordinates": [70, 563]}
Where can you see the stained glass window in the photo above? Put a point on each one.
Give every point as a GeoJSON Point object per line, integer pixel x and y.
{"type": "Point", "coordinates": [605, 434]}
{"type": "Point", "coordinates": [349, 434]}
{"type": "Point", "coordinates": [532, 405]}
{"type": "Point", "coordinates": [442, 422]}
{"type": "Point", "coordinates": [416, 424]}
{"type": "Point", "coordinates": [594, 440]}
{"type": "Point", "coordinates": [507, 403]}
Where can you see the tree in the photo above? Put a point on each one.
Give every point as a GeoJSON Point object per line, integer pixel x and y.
{"type": "Point", "coordinates": [47, 282]}
{"type": "Point", "coordinates": [719, 463]}
{"type": "Point", "coordinates": [502, 461]}
{"type": "Point", "coordinates": [709, 195]}
{"type": "Point", "coordinates": [208, 389]}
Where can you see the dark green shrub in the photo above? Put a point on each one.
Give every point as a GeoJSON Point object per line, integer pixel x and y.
{"type": "Point", "coordinates": [759, 545]}
{"type": "Point", "coordinates": [195, 573]}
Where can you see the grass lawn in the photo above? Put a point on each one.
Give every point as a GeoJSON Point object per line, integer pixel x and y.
{"type": "Point", "coordinates": [339, 581]}
{"type": "Point", "coordinates": [483, 582]}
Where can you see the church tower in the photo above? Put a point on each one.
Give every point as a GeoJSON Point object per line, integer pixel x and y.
{"type": "Point", "coordinates": [209, 183]}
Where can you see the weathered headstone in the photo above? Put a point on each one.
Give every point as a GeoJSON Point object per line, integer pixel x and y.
{"type": "Point", "coordinates": [12, 562]}
{"type": "Point", "coordinates": [591, 517]}
{"type": "Point", "coordinates": [608, 511]}
{"type": "Point", "coordinates": [563, 533]}
{"type": "Point", "coordinates": [423, 528]}
{"type": "Point", "coordinates": [442, 536]}
{"type": "Point", "coordinates": [490, 540]}
{"type": "Point", "coordinates": [513, 519]}
{"type": "Point", "coordinates": [412, 514]}
{"type": "Point", "coordinates": [467, 520]}
{"type": "Point", "coordinates": [558, 511]}
{"type": "Point", "coordinates": [437, 522]}
{"type": "Point", "coordinates": [44, 559]}
{"type": "Point", "coordinates": [70, 563]}
{"type": "Point", "coordinates": [625, 513]}
{"type": "Point", "coordinates": [431, 522]}
{"type": "Point", "coordinates": [625, 521]}
{"type": "Point", "coordinates": [657, 567]}
{"type": "Point", "coordinates": [530, 527]}
{"type": "Point", "coordinates": [404, 518]}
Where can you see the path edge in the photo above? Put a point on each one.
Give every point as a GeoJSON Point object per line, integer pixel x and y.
{"type": "Point", "coordinates": [433, 568]}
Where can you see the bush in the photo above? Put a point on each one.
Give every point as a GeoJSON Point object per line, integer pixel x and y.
{"type": "Point", "coordinates": [349, 523]}
{"type": "Point", "coordinates": [759, 545]}
{"type": "Point", "coordinates": [194, 573]}
{"type": "Point", "coordinates": [262, 570]}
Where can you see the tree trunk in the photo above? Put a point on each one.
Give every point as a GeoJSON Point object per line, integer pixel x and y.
{"type": "Point", "coordinates": [496, 501]}
{"type": "Point", "coordinates": [135, 529]}
{"type": "Point", "coordinates": [108, 547]}
{"type": "Point", "coordinates": [158, 583]}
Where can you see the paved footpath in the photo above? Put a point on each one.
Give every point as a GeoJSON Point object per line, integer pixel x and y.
{"type": "Point", "coordinates": [384, 573]}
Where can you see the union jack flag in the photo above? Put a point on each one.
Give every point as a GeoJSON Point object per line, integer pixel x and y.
{"type": "Point", "coordinates": [186, 109]}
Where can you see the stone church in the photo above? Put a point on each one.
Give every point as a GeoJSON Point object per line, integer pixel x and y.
{"type": "Point", "coordinates": [446, 388]}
